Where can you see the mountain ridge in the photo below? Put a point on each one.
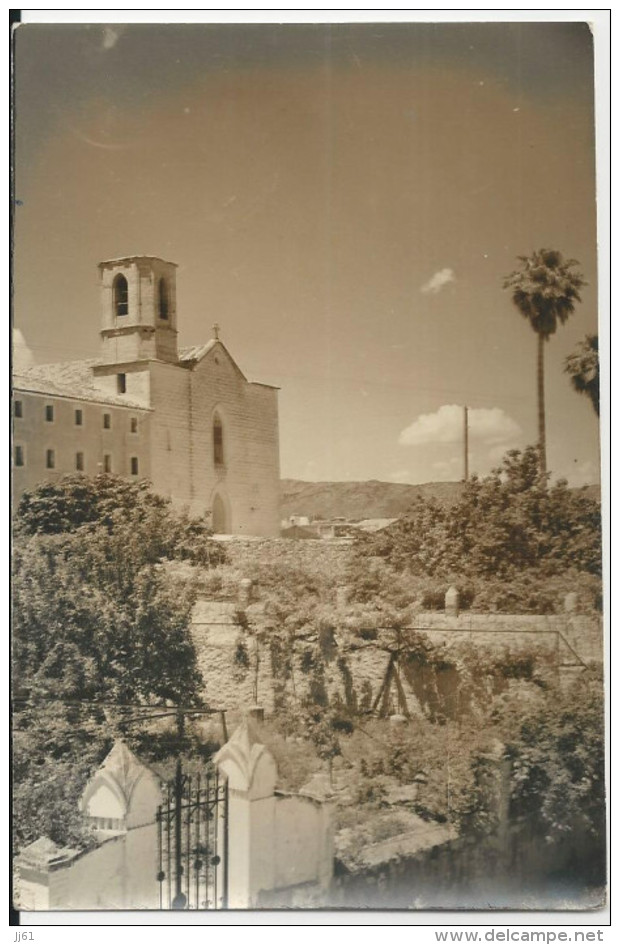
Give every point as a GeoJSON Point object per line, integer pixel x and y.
{"type": "Point", "coordinates": [371, 498]}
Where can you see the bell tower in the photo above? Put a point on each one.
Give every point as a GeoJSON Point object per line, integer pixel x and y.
{"type": "Point", "coordinates": [139, 313]}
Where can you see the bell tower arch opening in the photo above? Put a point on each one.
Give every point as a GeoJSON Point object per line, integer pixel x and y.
{"type": "Point", "coordinates": [120, 295]}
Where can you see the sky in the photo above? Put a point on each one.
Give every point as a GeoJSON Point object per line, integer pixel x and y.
{"type": "Point", "coordinates": [343, 200]}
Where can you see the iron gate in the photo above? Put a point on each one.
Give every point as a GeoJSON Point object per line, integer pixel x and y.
{"type": "Point", "coordinates": [192, 841]}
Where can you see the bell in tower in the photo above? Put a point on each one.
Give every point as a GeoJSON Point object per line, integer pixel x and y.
{"type": "Point", "coordinates": [139, 317]}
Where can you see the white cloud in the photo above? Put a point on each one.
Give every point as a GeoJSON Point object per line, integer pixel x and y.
{"type": "Point", "coordinates": [490, 425]}
{"type": "Point", "coordinates": [110, 37]}
{"type": "Point", "coordinates": [436, 282]}
{"type": "Point", "coordinates": [23, 357]}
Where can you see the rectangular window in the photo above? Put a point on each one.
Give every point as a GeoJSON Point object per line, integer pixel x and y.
{"type": "Point", "coordinates": [79, 418]}
{"type": "Point", "coordinates": [50, 459]}
{"type": "Point", "coordinates": [79, 462]}
{"type": "Point", "coordinates": [121, 383]}
{"type": "Point", "coordinates": [133, 425]}
{"type": "Point", "coordinates": [19, 456]}
{"type": "Point", "coordinates": [107, 463]}
{"type": "Point", "coordinates": [18, 409]}
{"type": "Point", "coordinates": [107, 421]}
{"type": "Point", "coordinates": [49, 413]}
{"type": "Point", "coordinates": [134, 465]}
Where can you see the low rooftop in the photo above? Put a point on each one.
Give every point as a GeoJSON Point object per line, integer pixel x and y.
{"type": "Point", "coordinates": [72, 379]}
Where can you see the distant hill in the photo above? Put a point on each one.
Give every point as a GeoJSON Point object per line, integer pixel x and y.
{"type": "Point", "coordinates": [360, 500]}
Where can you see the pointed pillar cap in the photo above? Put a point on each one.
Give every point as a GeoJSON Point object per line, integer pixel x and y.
{"type": "Point", "coordinates": [247, 763]}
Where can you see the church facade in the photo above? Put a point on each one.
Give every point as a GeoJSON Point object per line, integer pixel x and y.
{"type": "Point", "coordinates": [186, 419]}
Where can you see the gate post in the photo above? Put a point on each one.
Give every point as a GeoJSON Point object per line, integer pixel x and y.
{"type": "Point", "coordinates": [251, 772]}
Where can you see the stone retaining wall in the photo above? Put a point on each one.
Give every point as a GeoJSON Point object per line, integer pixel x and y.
{"type": "Point", "coordinates": [239, 673]}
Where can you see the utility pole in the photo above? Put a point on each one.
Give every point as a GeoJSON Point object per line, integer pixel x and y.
{"type": "Point", "coordinates": [465, 446]}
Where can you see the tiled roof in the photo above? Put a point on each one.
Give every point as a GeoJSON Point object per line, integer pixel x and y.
{"type": "Point", "coordinates": [75, 378]}
{"type": "Point", "coordinates": [72, 379]}
{"type": "Point", "coordinates": [196, 352]}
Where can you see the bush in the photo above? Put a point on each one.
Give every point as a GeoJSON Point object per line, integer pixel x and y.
{"type": "Point", "coordinates": [433, 595]}
{"type": "Point", "coordinates": [557, 753]}
{"type": "Point", "coordinates": [296, 757]}
{"type": "Point", "coordinates": [144, 521]}
{"type": "Point", "coordinates": [529, 593]}
{"type": "Point", "coordinates": [499, 526]}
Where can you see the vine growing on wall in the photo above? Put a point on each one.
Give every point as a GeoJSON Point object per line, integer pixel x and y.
{"type": "Point", "coordinates": [311, 641]}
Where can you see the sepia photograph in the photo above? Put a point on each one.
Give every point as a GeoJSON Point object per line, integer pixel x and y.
{"type": "Point", "coordinates": [307, 598]}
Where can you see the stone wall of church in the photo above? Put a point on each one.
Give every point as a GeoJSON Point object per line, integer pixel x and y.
{"type": "Point", "coordinates": [137, 381]}
{"type": "Point", "coordinates": [184, 403]}
{"type": "Point", "coordinates": [248, 479]}
{"type": "Point", "coordinates": [171, 434]}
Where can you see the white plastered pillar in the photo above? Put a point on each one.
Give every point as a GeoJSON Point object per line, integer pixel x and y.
{"type": "Point", "coordinates": [251, 772]}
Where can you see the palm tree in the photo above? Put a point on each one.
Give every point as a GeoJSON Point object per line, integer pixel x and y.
{"type": "Point", "coordinates": [582, 368]}
{"type": "Point", "coordinates": [545, 289]}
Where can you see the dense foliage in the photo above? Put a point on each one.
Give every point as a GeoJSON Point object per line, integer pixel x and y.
{"type": "Point", "coordinates": [545, 289]}
{"type": "Point", "coordinates": [501, 527]}
{"type": "Point", "coordinates": [532, 751]}
{"type": "Point", "coordinates": [100, 616]}
{"type": "Point", "coordinates": [129, 512]}
{"type": "Point", "coordinates": [582, 366]}
{"type": "Point", "coordinates": [556, 748]}
{"type": "Point", "coordinates": [512, 544]}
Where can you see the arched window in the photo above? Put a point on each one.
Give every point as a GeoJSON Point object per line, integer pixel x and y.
{"type": "Point", "coordinates": [218, 441]}
{"type": "Point", "coordinates": [163, 299]}
{"type": "Point", "coordinates": [120, 295]}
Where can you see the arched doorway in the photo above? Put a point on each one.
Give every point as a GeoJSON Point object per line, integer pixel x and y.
{"type": "Point", "coordinates": [219, 516]}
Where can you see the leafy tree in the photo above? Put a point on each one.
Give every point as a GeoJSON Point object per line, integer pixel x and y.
{"type": "Point", "coordinates": [130, 511]}
{"type": "Point", "coordinates": [582, 366]}
{"type": "Point", "coordinates": [83, 628]}
{"type": "Point", "coordinates": [544, 289]}
{"type": "Point", "coordinates": [500, 527]}
{"type": "Point", "coordinates": [101, 614]}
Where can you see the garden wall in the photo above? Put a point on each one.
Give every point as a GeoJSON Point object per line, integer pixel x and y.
{"type": "Point", "coordinates": [239, 673]}
{"type": "Point", "coordinates": [312, 555]}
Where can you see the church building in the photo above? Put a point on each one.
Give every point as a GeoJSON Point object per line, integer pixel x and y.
{"type": "Point", "coordinates": [186, 419]}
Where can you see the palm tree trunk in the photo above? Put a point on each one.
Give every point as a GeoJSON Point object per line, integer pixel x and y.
{"type": "Point", "coordinates": [542, 442]}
